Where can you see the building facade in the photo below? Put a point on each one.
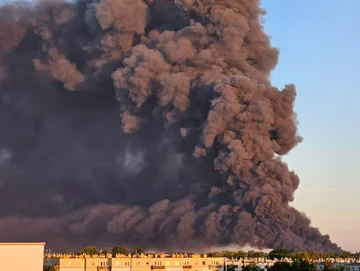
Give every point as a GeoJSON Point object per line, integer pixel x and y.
{"type": "Point", "coordinates": [136, 263]}
{"type": "Point", "coordinates": [353, 267]}
{"type": "Point", "coordinates": [173, 262]}
{"type": "Point", "coordinates": [31, 256]}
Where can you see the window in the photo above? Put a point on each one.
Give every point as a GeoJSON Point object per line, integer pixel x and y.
{"type": "Point", "coordinates": [167, 263]}
{"type": "Point", "coordinates": [187, 263]}
{"type": "Point", "coordinates": [176, 263]}
{"type": "Point", "coordinates": [204, 263]}
{"type": "Point", "coordinates": [117, 263]}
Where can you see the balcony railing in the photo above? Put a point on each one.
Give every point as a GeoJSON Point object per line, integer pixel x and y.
{"type": "Point", "coordinates": [157, 267]}
{"type": "Point", "coordinates": [215, 266]}
{"type": "Point", "coordinates": [187, 266]}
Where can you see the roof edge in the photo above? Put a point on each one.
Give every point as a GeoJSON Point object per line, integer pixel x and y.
{"type": "Point", "coordinates": [23, 243]}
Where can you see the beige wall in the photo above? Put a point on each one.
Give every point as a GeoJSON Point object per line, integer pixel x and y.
{"type": "Point", "coordinates": [97, 264]}
{"type": "Point", "coordinates": [82, 264]}
{"type": "Point", "coordinates": [21, 256]}
{"type": "Point", "coordinates": [166, 264]}
{"type": "Point", "coordinates": [72, 264]}
{"type": "Point", "coordinates": [142, 264]}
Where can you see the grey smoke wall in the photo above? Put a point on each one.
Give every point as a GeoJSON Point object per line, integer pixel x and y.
{"type": "Point", "coordinates": [145, 123]}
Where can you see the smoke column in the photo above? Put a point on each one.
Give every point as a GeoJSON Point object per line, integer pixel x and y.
{"type": "Point", "coordinates": [145, 123]}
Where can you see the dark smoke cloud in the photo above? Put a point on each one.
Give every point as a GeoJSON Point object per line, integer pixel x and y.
{"type": "Point", "coordinates": [146, 123]}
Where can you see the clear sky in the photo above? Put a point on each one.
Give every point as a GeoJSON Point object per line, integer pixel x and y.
{"type": "Point", "coordinates": [320, 53]}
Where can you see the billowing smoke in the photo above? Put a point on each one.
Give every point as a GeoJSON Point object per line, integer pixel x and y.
{"type": "Point", "coordinates": [145, 123]}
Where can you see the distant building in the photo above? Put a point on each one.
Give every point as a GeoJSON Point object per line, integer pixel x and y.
{"type": "Point", "coordinates": [31, 255]}
{"type": "Point", "coordinates": [353, 267]}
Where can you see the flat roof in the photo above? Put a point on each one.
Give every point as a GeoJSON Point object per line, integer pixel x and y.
{"type": "Point", "coordinates": [22, 244]}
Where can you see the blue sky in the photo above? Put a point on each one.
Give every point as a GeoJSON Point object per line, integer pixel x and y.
{"type": "Point", "coordinates": [319, 52]}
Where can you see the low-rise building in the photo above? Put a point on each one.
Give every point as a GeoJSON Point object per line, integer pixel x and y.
{"type": "Point", "coordinates": [173, 262]}
{"type": "Point", "coordinates": [150, 262]}
{"type": "Point", "coordinates": [31, 256]}
{"type": "Point", "coordinates": [353, 267]}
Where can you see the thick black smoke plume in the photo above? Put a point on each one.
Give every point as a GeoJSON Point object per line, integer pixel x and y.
{"type": "Point", "coordinates": [146, 123]}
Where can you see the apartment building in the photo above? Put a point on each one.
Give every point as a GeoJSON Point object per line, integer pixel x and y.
{"type": "Point", "coordinates": [31, 256]}
{"type": "Point", "coordinates": [137, 263]}
{"type": "Point", "coordinates": [84, 264]}
{"type": "Point", "coordinates": [353, 267]}
{"type": "Point", "coordinates": [171, 262]}
{"type": "Point", "coordinates": [239, 264]}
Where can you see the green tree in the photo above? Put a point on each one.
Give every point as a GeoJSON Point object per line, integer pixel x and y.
{"type": "Point", "coordinates": [303, 265]}
{"type": "Point", "coordinates": [231, 267]}
{"type": "Point", "coordinates": [214, 254]}
{"type": "Point", "coordinates": [313, 255]}
{"type": "Point", "coordinates": [240, 254]}
{"type": "Point", "coordinates": [91, 250]}
{"type": "Point", "coordinates": [279, 253]}
{"type": "Point", "coordinates": [251, 267]}
{"type": "Point", "coordinates": [328, 255]}
{"type": "Point", "coordinates": [329, 266]}
{"type": "Point", "coordinates": [228, 254]}
{"type": "Point", "coordinates": [119, 250]}
{"type": "Point", "coordinates": [346, 254]}
{"type": "Point", "coordinates": [255, 254]}
{"type": "Point", "coordinates": [301, 255]}
{"type": "Point", "coordinates": [281, 266]}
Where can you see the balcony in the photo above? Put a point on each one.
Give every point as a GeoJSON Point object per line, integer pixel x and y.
{"type": "Point", "coordinates": [215, 266]}
{"type": "Point", "coordinates": [158, 267]}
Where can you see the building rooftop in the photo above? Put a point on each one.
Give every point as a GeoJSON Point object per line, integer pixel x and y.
{"type": "Point", "coordinates": [22, 244]}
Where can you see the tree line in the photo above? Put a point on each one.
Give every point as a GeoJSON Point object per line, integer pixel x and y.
{"type": "Point", "coordinates": [274, 254]}
{"type": "Point", "coordinates": [92, 250]}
